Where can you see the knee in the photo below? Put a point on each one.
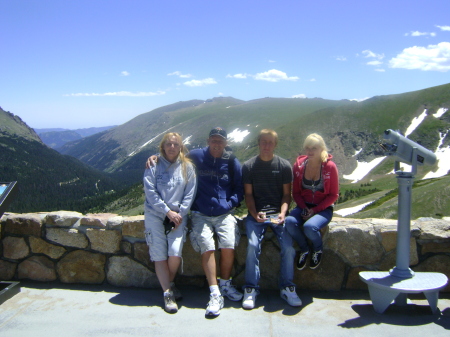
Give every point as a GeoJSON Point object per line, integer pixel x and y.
{"type": "Point", "coordinates": [290, 221]}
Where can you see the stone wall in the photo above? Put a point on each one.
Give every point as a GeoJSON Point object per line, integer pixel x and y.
{"type": "Point", "coordinates": [106, 248]}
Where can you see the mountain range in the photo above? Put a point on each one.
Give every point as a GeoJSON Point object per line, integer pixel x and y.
{"type": "Point", "coordinates": [57, 137]}
{"type": "Point", "coordinates": [352, 130]}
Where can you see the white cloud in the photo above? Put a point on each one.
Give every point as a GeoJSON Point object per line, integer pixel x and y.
{"type": "Point", "coordinates": [179, 74]}
{"type": "Point", "coordinates": [241, 76]}
{"type": "Point", "coordinates": [124, 73]}
{"type": "Point", "coordinates": [374, 63]}
{"type": "Point", "coordinates": [312, 80]}
{"type": "Point", "coordinates": [200, 83]}
{"type": "Point", "coordinates": [274, 75]}
{"type": "Point", "coordinates": [369, 53]}
{"type": "Point", "coordinates": [341, 58]}
{"type": "Point", "coordinates": [380, 70]}
{"type": "Point", "coordinates": [417, 33]}
{"type": "Point", "coordinates": [220, 94]}
{"type": "Point", "coordinates": [119, 94]}
{"type": "Point", "coordinates": [444, 28]}
{"type": "Point", "coordinates": [272, 61]}
{"type": "Point", "coordinates": [299, 96]}
{"type": "Point", "coordinates": [431, 58]}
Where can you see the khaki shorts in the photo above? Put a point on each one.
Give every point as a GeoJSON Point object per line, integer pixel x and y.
{"type": "Point", "coordinates": [204, 227]}
{"type": "Point", "coordinates": [161, 246]}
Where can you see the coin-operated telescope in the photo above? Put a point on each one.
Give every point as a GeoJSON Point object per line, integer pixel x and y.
{"type": "Point", "coordinates": [406, 151]}
{"type": "Point", "coordinates": [384, 287]}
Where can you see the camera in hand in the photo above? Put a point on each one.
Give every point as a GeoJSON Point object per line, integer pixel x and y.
{"type": "Point", "coordinates": [168, 225]}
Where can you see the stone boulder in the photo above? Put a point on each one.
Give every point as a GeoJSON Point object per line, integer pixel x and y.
{"type": "Point", "coordinates": [356, 243]}
{"type": "Point", "coordinates": [37, 268]}
{"type": "Point", "coordinates": [82, 267]}
{"type": "Point", "coordinates": [96, 220]}
{"type": "Point", "coordinates": [67, 237]}
{"type": "Point", "coordinates": [104, 240]}
{"type": "Point", "coordinates": [24, 224]}
{"type": "Point", "coordinates": [133, 226]}
{"type": "Point", "coordinates": [7, 270]}
{"type": "Point", "coordinates": [39, 246]}
{"type": "Point", "coordinates": [15, 248]}
{"type": "Point", "coordinates": [62, 218]}
{"type": "Point", "coordinates": [125, 272]}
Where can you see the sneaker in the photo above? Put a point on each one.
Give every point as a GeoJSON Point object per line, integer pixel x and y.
{"type": "Point", "coordinates": [214, 305]}
{"type": "Point", "coordinates": [315, 259]}
{"type": "Point", "coordinates": [170, 305]}
{"type": "Point", "coordinates": [230, 291]}
{"type": "Point", "coordinates": [301, 263]}
{"type": "Point", "coordinates": [289, 295]}
{"type": "Point", "coordinates": [176, 292]}
{"type": "Point", "coordinates": [249, 298]}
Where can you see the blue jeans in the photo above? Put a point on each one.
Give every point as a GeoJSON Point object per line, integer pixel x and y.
{"type": "Point", "coordinates": [255, 233]}
{"type": "Point", "coordinates": [300, 230]}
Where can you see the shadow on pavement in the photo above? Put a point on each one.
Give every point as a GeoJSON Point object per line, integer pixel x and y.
{"type": "Point", "coordinates": [410, 315]}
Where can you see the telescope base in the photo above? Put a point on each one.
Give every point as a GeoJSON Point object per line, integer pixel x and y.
{"type": "Point", "coordinates": [385, 288]}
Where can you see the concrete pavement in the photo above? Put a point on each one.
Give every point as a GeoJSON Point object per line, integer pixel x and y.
{"type": "Point", "coordinates": [54, 309]}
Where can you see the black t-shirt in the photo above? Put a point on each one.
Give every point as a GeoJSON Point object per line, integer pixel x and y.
{"type": "Point", "coordinates": [267, 179]}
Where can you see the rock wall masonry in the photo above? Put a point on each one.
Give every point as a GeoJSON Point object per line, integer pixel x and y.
{"type": "Point", "coordinates": [106, 248]}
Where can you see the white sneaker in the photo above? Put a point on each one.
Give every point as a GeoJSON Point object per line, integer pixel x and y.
{"type": "Point", "coordinates": [170, 305]}
{"type": "Point", "coordinates": [289, 295]}
{"type": "Point", "coordinates": [214, 305]}
{"type": "Point", "coordinates": [230, 291]}
{"type": "Point", "coordinates": [249, 298]}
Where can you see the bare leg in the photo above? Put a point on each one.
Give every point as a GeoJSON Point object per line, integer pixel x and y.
{"type": "Point", "coordinates": [209, 266]}
{"type": "Point", "coordinates": [173, 263]}
{"type": "Point", "coordinates": [162, 271]}
{"type": "Point", "coordinates": [226, 263]}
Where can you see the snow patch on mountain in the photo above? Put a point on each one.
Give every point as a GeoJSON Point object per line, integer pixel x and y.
{"type": "Point", "coordinates": [237, 136]}
{"type": "Point", "coordinates": [415, 123]}
{"type": "Point", "coordinates": [362, 169]}
{"type": "Point", "coordinates": [352, 210]}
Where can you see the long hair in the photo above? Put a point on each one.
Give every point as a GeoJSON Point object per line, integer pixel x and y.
{"type": "Point", "coordinates": [183, 151]}
{"type": "Point", "coordinates": [316, 140]}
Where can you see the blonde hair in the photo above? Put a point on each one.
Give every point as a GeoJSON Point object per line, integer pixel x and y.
{"type": "Point", "coordinates": [316, 140]}
{"type": "Point", "coordinates": [270, 132]}
{"type": "Point", "coordinates": [183, 151]}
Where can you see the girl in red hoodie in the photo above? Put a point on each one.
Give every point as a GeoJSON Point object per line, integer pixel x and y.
{"type": "Point", "coordinates": [315, 190]}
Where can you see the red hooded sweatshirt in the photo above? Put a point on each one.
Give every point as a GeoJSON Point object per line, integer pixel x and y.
{"type": "Point", "coordinates": [330, 185]}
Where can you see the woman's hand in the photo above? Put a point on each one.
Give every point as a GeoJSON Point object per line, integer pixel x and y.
{"type": "Point", "coordinates": [175, 218]}
{"type": "Point", "coordinates": [308, 212]}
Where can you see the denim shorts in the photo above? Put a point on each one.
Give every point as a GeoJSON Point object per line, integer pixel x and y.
{"type": "Point", "coordinates": [161, 246]}
{"type": "Point", "coordinates": [203, 229]}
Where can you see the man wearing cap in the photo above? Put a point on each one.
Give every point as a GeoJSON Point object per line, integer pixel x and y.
{"type": "Point", "coordinates": [219, 192]}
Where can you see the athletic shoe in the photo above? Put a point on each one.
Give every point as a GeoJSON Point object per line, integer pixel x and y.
{"type": "Point", "coordinates": [289, 295]}
{"type": "Point", "coordinates": [230, 291]}
{"type": "Point", "coordinates": [301, 263]}
{"type": "Point", "coordinates": [249, 298]}
{"type": "Point", "coordinates": [170, 305]}
{"type": "Point", "coordinates": [176, 292]}
{"type": "Point", "coordinates": [214, 305]}
{"type": "Point", "coordinates": [315, 259]}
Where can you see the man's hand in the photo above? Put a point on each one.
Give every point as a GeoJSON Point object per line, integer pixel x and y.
{"type": "Point", "coordinates": [151, 161]}
{"type": "Point", "coordinates": [261, 217]}
{"type": "Point", "coordinates": [280, 218]}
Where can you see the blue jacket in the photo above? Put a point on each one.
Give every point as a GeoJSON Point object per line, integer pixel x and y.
{"type": "Point", "coordinates": [216, 194]}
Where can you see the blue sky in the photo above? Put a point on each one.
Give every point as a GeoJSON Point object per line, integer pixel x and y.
{"type": "Point", "coordinates": [85, 63]}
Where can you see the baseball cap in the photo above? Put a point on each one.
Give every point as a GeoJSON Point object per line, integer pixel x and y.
{"type": "Point", "coordinates": [217, 131]}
